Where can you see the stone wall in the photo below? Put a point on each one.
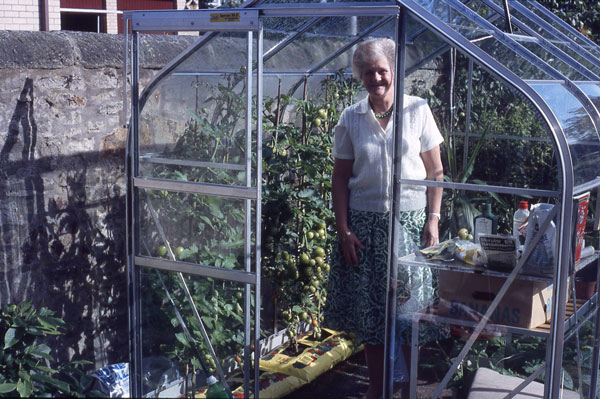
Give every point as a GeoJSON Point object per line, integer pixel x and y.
{"type": "Point", "coordinates": [62, 182]}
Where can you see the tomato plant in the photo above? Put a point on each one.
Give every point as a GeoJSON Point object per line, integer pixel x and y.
{"type": "Point", "coordinates": [298, 221]}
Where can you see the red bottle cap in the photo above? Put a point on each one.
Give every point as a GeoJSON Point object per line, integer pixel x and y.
{"type": "Point", "coordinates": [523, 205]}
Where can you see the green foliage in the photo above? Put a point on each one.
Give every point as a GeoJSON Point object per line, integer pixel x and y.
{"type": "Point", "coordinates": [582, 15]}
{"type": "Point", "coordinates": [26, 366]}
{"type": "Point", "coordinates": [201, 229]}
{"type": "Point", "coordinates": [297, 218]}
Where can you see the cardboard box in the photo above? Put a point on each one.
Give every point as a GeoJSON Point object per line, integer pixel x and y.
{"type": "Point", "coordinates": [467, 296]}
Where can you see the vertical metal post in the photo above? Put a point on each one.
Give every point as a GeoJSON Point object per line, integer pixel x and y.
{"type": "Point", "coordinates": [452, 55]}
{"type": "Point", "coordinates": [468, 114]}
{"type": "Point", "coordinates": [135, 361]}
{"type": "Point", "coordinates": [557, 324]}
{"type": "Point", "coordinates": [390, 317]}
{"type": "Point", "coordinates": [248, 220]}
{"type": "Point", "coordinates": [259, 139]}
{"type": "Point", "coordinates": [507, 22]}
{"type": "Point", "coordinates": [596, 345]}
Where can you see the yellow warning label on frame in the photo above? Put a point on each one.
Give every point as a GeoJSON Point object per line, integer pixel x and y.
{"type": "Point", "coordinates": [225, 17]}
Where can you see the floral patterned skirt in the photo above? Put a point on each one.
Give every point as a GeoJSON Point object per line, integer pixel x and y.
{"type": "Point", "coordinates": [356, 294]}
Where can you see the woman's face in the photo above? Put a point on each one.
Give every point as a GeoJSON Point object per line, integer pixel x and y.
{"type": "Point", "coordinates": [378, 79]}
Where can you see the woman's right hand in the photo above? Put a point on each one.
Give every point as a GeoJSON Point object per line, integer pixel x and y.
{"type": "Point", "coordinates": [349, 242]}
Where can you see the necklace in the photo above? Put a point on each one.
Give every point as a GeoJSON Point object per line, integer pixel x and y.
{"type": "Point", "coordinates": [385, 114]}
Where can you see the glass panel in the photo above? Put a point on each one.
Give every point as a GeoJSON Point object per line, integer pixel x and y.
{"type": "Point", "coordinates": [553, 60]}
{"type": "Point", "coordinates": [332, 34]}
{"type": "Point", "coordinates": [175, 354]}
{"type": "Point", "coordinates": [560, 26]}
{"type": "Point", "coordinates": [466, 26]}
{"type": "Point", "coordinates": [423, 44]}
{"type": "Point", "coordinates": [551, 36]}
{"type": "Point", "coordinates": [498, 118]}
{"type": "Point", "coordinates": [592, 90]}
{"type": "Point", "coordinates": [193, 124]}
{"type": "Point", "coordinates": [512, 342]}
{"type": "Point", "coordinates": [199, 229]}
{"type": "Point", "coordinates": [577, 359]}
{"type": "Point", "coordinates": [578, 128]}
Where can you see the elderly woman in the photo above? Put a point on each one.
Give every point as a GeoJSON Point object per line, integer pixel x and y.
{"type": "Point", "coordinates": [361, 188]}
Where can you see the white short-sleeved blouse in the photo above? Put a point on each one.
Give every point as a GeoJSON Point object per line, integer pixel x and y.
{"type": "Point", "coordinates": [360, 137]}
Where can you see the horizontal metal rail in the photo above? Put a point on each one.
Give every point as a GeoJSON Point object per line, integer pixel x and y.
{"type": "Point", "coordinates": [197, 188]}
{"type": "Point", "coordinates": [238, 276]}
{"type": "Point", "coordinates": [483, 187]}
{"type": "Point", "coordinates": [330, 10]}
{"type": "Point", "coordinates": [490, 328]}
{"type": "Point", "coordinates": [588, 186]}
{"type": "Point", "coordinates": [291, 74]}
{"type": "Point", "coordinates": [501, 137]}
{"type": "Point", "coordinates": [195, 164]}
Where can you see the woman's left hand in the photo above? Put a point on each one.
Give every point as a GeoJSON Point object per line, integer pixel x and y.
{"type": "Point", "coordinates": [431, 234]}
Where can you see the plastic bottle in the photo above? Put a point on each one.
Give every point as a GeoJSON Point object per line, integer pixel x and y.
{"type": "Point", "coordinates": [486, 222]}
{"type": "Point", "coordinates": [215, 389]}
{"type": "Point", "coordinates": [518, 219]}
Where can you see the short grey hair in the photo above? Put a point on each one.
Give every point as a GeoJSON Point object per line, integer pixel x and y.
{"type": "Point", "coordinates": [372, 50]}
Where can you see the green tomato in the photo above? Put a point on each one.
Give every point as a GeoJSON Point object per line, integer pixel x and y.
{"type": "Point", "coordinates": [322, 113]}
{"type": "Point", "coordinates": [178, 251]}
{"type": "Point", "coordinates": [161, 250]}
{"type": "Point", "coordinates": [317, 122]}
{"type": "Point", "coordinates": [320, 252]}
{"type": "Point", "coordinates": [305, 259]}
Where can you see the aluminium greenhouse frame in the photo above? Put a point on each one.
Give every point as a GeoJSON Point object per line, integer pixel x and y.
{"type": "Point", "coordinates": [250, 23]}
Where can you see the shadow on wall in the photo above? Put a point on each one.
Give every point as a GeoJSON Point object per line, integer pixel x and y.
{"type": "Point", "coordinates": [64, 252]}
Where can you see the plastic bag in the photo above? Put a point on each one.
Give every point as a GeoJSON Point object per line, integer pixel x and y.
{"type": "Point", "coordinates": [469, 252]}
{"type": "Point", "coordinates": [112, 380]}
{"type": "Point", "coordinates": [541, 260]}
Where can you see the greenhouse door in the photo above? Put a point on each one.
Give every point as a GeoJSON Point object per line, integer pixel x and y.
{"type": "Point", "coordinates": [194, 160]}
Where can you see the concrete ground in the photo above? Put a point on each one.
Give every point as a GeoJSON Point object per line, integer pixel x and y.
{"type": "Point", "coordinates": [348, 380]}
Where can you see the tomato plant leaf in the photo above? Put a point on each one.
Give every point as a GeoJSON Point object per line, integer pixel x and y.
{"type": "Point", "coordinates": [12, 336]}
{"type": "Point", "coordinates": [7, 387]}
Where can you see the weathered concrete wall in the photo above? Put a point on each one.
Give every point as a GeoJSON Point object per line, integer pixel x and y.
{"type": "Point", "coordinates": [62, 182]}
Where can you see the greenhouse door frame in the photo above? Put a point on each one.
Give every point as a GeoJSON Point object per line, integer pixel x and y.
{"type": "Point", "coordinates": [209, 22]}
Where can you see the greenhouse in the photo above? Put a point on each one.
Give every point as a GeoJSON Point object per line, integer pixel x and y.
{"type": "Point", "coordinates": [231, 229]}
